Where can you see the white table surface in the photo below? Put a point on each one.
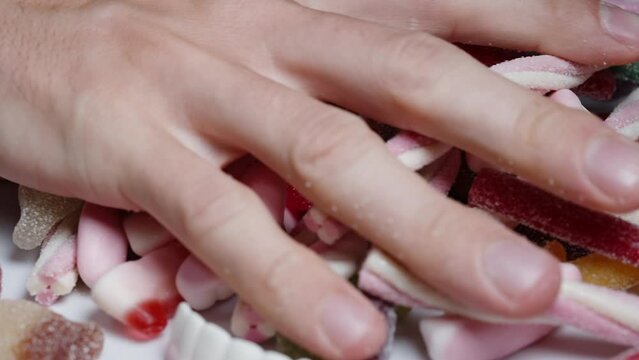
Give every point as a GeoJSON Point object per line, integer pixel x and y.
{"type": "Point", "coordinates": [563, 344]}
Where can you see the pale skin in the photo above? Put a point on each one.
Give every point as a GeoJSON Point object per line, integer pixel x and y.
{"type": "Point", "coordinates": [140, 104]}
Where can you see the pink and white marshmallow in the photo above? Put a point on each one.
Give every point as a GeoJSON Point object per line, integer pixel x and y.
{"type": "Point", "coordinates": [142, 293]}
{"type": "Point", "coordinates": [200, 287]}
{"type": "Point", "coordinates": [545, 73]}
{"type": "Point", "coordinates": [145, 234]}
{"type": "Point", "coordinates": [102, 243]}
{"type": "Point", "coordinates": [54, 273]}
{"type": "Point", "coordinates": [605, 313]}
{"type": "Point", "coordinates": [248, 324]}
{"type": "Point", "coordinates": [625, 118]}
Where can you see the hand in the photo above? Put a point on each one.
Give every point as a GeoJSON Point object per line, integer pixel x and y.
{"type": "Point", "coordinates": [136, 104]}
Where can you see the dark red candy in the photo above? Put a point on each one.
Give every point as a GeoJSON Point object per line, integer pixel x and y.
{"type": "Point", "coordinates": [533, 207]}
{"type": "Point", "coordinates": [296, 203]}
{"type": "Point", "coordinates": [490, 56]}
{"type": "Point", "coordinates": [601, 86]}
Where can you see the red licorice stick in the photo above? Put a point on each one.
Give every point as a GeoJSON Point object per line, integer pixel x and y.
{"type": "Point", "coordinates": [533, 207]}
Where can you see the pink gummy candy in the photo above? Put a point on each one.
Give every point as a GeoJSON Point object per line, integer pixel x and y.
{"type": "Point", "coordinates": [528, 205]}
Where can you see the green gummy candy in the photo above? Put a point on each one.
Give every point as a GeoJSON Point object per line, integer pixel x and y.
{"type": "Point", "coordinates": [293, 350]}
{"type": "Point", "coordinates": [628, 72]}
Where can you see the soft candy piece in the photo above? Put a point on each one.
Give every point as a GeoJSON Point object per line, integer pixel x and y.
{"type": "Point", "coordinates": [625, 118]}
{"type": "Point", "coordinates": [601, 86]}
{"type": "Point", "coordinates": [142, 293]}
{"type": "Point", "coordinates": [544, 73]}
{"type": "Point", "coordinates": [209, 341]}
{"type": "Point", "coordinates": [200, 287]}
{"type": "Point", "coordinates": [327, 229]}
{"type": "Point", "coordinates": [628, 72]}
{"type": "Point", "coordinates": [599, 270]}
{"type": "Point", "coordinates": [602, 312]}
{"type": "Point", "coordinates": [345, 256]}
{"type": "Point", "coordinates": [40, 213]}
{"type": "Point", "coordinates": [528, 205]}
{"type": "Point", "coordinates": [453, 338]}
{"type": "Point", "coordinates": [249, 325]}
{"type": "Point", "coordinates": [102, 243]}
{"type": "Point", "coordinates": [145, 234]}
{"type": "Point", "coordinates": [414, 150]}
{"type": "Point", "coordinates": [442, 174]}
{"type": "Point", "coordinates": [296, 207]}
{"type": "Point", "coordinates": [555, 248]}
{"type": "Point", "coordinates": [31, 332]}
{"type": "Point", "coordinates": [54, 273]}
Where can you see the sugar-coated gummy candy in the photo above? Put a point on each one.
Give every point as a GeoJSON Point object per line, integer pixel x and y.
{"type": "Point", "coordinates": [533, 207]}
{"type": "Point", "coordinates": [600, 270]}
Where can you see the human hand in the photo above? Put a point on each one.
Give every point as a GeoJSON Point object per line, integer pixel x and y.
{"type": "Point", "coordinates": [139, 105]}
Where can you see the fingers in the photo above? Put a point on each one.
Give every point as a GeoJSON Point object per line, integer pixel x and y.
{"type": "Point", "coordinates": [587, 31]}
{"type": "Point", "coordinates": [417, 82]}
{"type": "Point", "coordinates": [230, 230]}
{"type": "Point", "coordinates": [333, 158]}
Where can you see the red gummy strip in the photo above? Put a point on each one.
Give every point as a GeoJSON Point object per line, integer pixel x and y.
{"type": "Point", "coordinates": [526, 204]}
{"type": "Point", "coordinates": [601, 86]}
{"type": "Point", "coordinates": [297, 204]}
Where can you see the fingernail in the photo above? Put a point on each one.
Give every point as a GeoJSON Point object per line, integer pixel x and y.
{"type": "Point", "coordinates": [612, 164]}
{"type": "Point", "coordinates": [515, 269]}
{"type": "Point", "coordinates": [346, 322]}
{"type": "Point", "coordinates": [620, 18]}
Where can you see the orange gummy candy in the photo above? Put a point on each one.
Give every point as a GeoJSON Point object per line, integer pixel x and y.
{"type": "Point", "coordinates": [600, 270]}
{"type": "Point", "coordinates": [555, 248]}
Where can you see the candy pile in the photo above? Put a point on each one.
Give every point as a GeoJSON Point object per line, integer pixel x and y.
{"type": "Point", "coordinates": [139, 273]}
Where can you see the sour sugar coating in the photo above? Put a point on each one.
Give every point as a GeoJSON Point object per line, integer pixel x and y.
{"type": "Point", "coordinates": [31, 332]}
{"type": "Point", "coordinates": [455, 338]}
{"type": "Point", "coordinates": [345, 257]}
{"type": "Point", "coordinates": [102, 243]}
{"type": "Point", "coordinates": [625, 118]}
{"type": "Point", "coordinates": [545, 73]}
{"type": "Point", "coordinates": [145, 234]}
{"type": "Point", "coordinates": [248, 324]}
{"type": "Point", "coordinates": [55, 273]}
{"type": "Point", "coordinates": [40, 213]}
{"type": "Point", "coordinates": [142, 293]}
{"type": "Point", "coordinates": [200, 287]}
{"type": "Point", "coordinates": [528, 205]}
{"type": "Point", "coordinates": [599, 270]}
{"type": "Point", "coordinates": [192, 338]}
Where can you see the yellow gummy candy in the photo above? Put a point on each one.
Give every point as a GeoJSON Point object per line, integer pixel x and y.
{"type": "Point", "coordinates": [600, 270]}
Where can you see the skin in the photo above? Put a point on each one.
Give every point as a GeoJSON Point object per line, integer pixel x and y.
{"type": "Point", "coordinates": [141, 104]}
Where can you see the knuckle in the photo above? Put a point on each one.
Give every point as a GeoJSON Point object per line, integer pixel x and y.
{"type": "Point", "coordinates": [284, 269]}
{"type": "Point", "coordinates": [437, 227]}
{"type": "Point", "coordinates": [535, 124]}
{"type": "Point", "coordinates": [207, 210]}
{"type": "Point", "coordinates": [328, 143]}
{"type": "Point", "coordinates": [408, 63]}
